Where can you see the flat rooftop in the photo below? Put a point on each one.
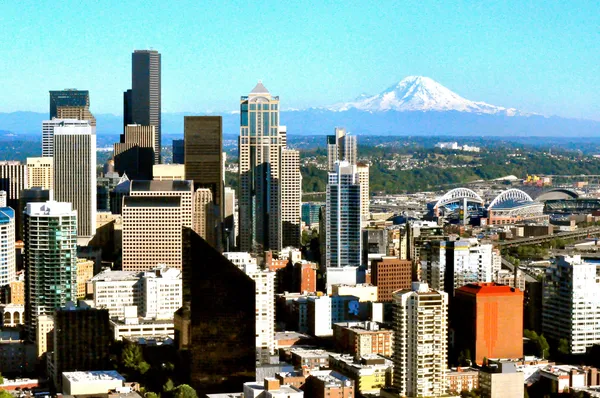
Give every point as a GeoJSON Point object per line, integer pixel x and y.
{"type": "Point", "coordinates": [151, 201]}
{"type": "Point", "coordinates": [93, 375]}
{"type": "Point", "coordinates": [162, 186]}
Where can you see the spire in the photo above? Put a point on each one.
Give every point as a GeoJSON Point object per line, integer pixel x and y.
{"type": "Point", "coordinates": [259, 89]}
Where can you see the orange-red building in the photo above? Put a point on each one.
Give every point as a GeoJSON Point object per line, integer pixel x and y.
{"type": "Point", "coordinates": [487, 319]}
{"type": "Point", "coordinates": [305, 277]}
{"type": "Point", "coordinates": [389, 275]}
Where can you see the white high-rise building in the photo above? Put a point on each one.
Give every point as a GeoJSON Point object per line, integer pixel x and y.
{"type": "Point", "coordinates": [48, 127]}
{"type": "Point", "coordinates": [260, 144]}
{"type": "Point", "coordinates": [156, 293]}
{"type": "Point", "coordinates": [8, 265]}
{"type": "Point", "coordinates": [50, 259]}
{"type": "Point", "coordinates": [341, 147]}
{"type": "Point", "coordinates": [453, 264]}
{"type": "Point", "coordinates": [571, 303]}
{"type": "Point", "coordinates": [291, 198]}
{"type": "Point", "coordinates": [3, 198]}
{"type": "Point", "coordinates": [265, 303]}
{"type": "Point", "coordinates": [343, 218]}
{"type": "Point", "coordinates": [40, 173]}
{"type": "Point", "coordinates": [75, 174]}
{"type": "Point", "coordinates": [420, 341]}
{"type": "Point", "coordinates": [363, 179]}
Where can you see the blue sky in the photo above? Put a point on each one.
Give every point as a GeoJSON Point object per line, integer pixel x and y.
{"type": "Point", "coordinates": [533, 55]}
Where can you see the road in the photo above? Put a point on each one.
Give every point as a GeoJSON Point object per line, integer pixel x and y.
{"type": "Point", "coordinates": [580, 233]}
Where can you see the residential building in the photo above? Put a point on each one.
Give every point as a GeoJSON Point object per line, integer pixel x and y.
{"type": "Point", "coordinates": [501, 381]}
{"type": "Point", "coordinates": [40, 173]}
{"type": "Point", "coordinates": [134, 154]}
{"type": "Point", "coordinates": [363, 338]}
{"type": "Point", "coordinates": [75, 175]}
{"type": "Point", "coordinates": [215, 329]}
{"type": "Point", "coordinates": [203, 138]}
{"type": "Point", "coordinates": [44, 335]}
{"type": "Point", "coordinates": [453, 264]}
{"type": "Point", "coordinates": [462, 379]}
{"type": "Point", "coordinates": [489, 321]}
{"type": "Point", "coordinates": [178, 148]}
{"type": "Point", "coordinates": [85, 272]}
{"type": "Point", "coordinates": [571, 303]}
{"type": "Point", "coordinates": [370, 373]}
{"type": "Point", "coordinates": [328, 384]}
{"type": "Point", "coordinates": [260, 145]}
{"type": "Point", "coordinates": [48, 127]}
{"type": "Point", "coordinates": [143, 102]}
{"type": "Point", "coordinates": [291, 197]}
{"type": "Point", "coordinates": [341, 147]}
{"type": "Point", "coordinates": [162, 172]}
{"type": "Point", "coordinates": [343, 224]}
{"type": "Point", "coordinates": [8, 265]}
{"type": "Point", "coordinates": [305, 277]}
{"type": "Point", "coordinates": [390, 274]}
{"type": "Point", "coordinates": [362, 170]}
{"type": "Point", "coordinates": [319, 313]}
{"type": "Point", "coordinates": [271, 388]}
{"type": "Point", "coordinates": [309, 358]}
{"type": "Point", "coordinates": [156, 293]}
{"type": "Point", "coordinates": [50, 231]}
{"type": "Point", "coordinates": [82, 340]}
{"type": "Point", "coordinates": [420, 341]}
{"type": "Point", "coordinates": [17, 290]}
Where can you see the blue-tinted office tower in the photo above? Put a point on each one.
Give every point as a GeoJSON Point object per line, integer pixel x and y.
{"type": "Point", "coordinates": [179, 151]}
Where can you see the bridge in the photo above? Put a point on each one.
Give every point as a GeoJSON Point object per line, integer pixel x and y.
{"type": "Point", "coordinates": [580, 233]}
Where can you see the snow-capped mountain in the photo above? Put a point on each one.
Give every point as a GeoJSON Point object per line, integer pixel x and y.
{"type": "Point", "coordinates": [418, 93]}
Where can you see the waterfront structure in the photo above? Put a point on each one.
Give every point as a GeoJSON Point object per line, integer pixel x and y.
{"type": "Point", "coordinates": [75, 174]}
{"type": "Point", "coordinates": [489, 321]}
{"type": "Point", "coordinates": [571, 303]}
{"type": "Point", "coordinates": [142, 104]}
{"type": "Point", "coordinates": [48, 127]}
{"type": "Point", "coordinates": [168, 172]}
{"type": "Point", "coordinates": [71, 104]}
{"type": "Point", "coordinates": [50, 231]}
{"type": "Point", "coordinates": [215, 329]}
{"type": "Point", "coordinates": [291, 198]}
{"type": "Point", "coordinates": [134, 154]}
{"type": "Point", "coordinates": [343, 219]}
{"type": "Point", "coordinates": [152, 231]}
{"type": "Point", "coordinates": [8, 266]}
{"type": "Point", "coordinates": [452, 264]}
{"type": "Point", "coordinates": [40, 173]}
{"type": "Point", "coordinates": [420, 341]}
{"type": "Point", "coordinates": [178, 149]}
{"type": "Point", "coordinates": [390, 274]}
{"type": "Point", "coordinates": [260, 144]}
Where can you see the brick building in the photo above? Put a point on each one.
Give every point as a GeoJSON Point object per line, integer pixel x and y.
{"type": "Point", "coordinates": [389, 275]}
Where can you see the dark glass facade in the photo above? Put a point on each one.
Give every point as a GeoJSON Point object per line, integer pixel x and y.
{"type": "Point", "coordinates": [215, 330]}
{"type": "Point", "coordinates": [179, 151]}
{"type": "Point", "coordinates": [68, 98]}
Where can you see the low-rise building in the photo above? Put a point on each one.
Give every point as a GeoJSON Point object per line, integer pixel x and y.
{"type": "Point", "coordinates": [134, 327]}
{"type": "Point", "coordinates": [91, 382]}
{"type": "Point", "coordinates": [363, 338]}
{"type": "Point", "coordinates": [309, 358]}
{"type": "Point", "coordinates": [371, 373]}
{"type": "Point", "coordinates": [501, 380]}
{"type": "Point", "coordinates": [363, 291]}
{"type": "Point", "coordinates": [328, 384]}
{"type": "Point", "coordinates": [16, 355]}
{"type": "Point", "coordinates": [271, 388]}
{"type": "Point", "coordinates": [462, 379]}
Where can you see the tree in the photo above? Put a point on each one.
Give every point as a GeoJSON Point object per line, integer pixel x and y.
{"type": "Point", "coordinates": [151, 395]}
{"type": "Point", "coordinates": [185, 391]}
{"type": "Point", "coordinates": [563, 346]}
{"type": "Point", "coordinates": [133, 359]}
{"type": "Point", "coordinates": [1, 379]}
{"type": "Point", "coordinates": [5, 394]}
{"type": "Point", "coordinates": [543, 346]}
{"type": "Point", "coordinates": [169, 386]}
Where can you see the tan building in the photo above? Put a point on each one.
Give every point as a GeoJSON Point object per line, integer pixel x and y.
{"type": "Point", "coordinates": [364, 291]}
{"type": "Point", "coordinates": [76, 112]}
{"type": "Point", "coordinates": [502, 381]}
{"type": "Point", "coordinates": [162, 172]}
{"type": "Point", "coordinates": [362, 170]}
{"type": "Point", "coordinates": [363, 338]}
{"type": "Point", "coordinates": [291, 198]}
{"type": "Point", "coordinates": [40, 173]}
{"type": "Point", "coordinates": [17, 292]}
{"type": "Point", "coordinates": [183, 189]}
{"type": "Point", "coordinates": [152, 232]}
{"type": "Point", "coordinates": [45, 326]}
{"type": "Point", "coordinates": [204, 217]}
{"type": "Point", "coordinates": [85, 272]}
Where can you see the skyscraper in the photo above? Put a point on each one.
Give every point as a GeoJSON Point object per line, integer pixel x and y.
{"type": "Point", "coordinates": [8, 266]}
{"type": "Point", "coordinates": [204, 216]}
{"type": "Point", "coordinates": [203, 161]}
{"type": "Point", "coordinates": [40, 173]}
{"type": "Point", "coordinates": [363, 179]}
{"type": "Point", "coordinates": [75, 174]}
{"type": "Point", "coordinates": [71, 104]}
{"type": "Point", "coordinates": [420, 341]}
{"type": "Point", "coordinates": [50, 260]}
{"type": "Point", "coordinates": [146, 94]}
{"type": "Point", "coordinates": [230, 219]}
{"type": "Point", "coordinates": [215, 329]}
{"type": "Point", "coordinates": [13, 179]}
{"type": "Point", "coordinates": [134, 155]}
{"type": "Point", "coordinates": [178, 151]}
{"type": "Point", "coordinates": [260, 144]}
{"type": "Point", "coordinates": [343, 236]}
{"type": "Point", "coordinates": [48, 127]}
{"type": "Point", "coordinates": [341, 147]}
{"type": "Point", "coordinates": [291, 198]}
{"type": "Point", "coordinates": [571, 303]}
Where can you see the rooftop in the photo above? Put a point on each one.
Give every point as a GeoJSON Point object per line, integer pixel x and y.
{"type": "Point", "coordinates": [162, 186]}
{"type": "Point", "coordinates": [93, 375]}
{"type": "Point", "coordinates": [259, 89]}
{"type": "Point", "coordinates": [489, 289]}
{"type": "Point", "coordinates": [151, 201]}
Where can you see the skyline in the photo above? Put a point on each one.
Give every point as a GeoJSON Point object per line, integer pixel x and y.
{"type": "Point", "coordinates": [534, 57]}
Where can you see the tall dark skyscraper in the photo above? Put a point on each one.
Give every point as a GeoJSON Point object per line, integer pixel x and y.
{"type": "Point", "coordinates": [143, 104]}
{"type": "Point", "coordinates": [127, 112]}
{"type": "Point", "coordinates": [68, 97]}
{"type": "Point", "coordinates": [178, 152]}
{"type": "Point", "coordinates": [215, 329]}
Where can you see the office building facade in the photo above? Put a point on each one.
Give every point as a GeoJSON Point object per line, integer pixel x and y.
{"type": "Point", "coordinates": [390, 274]}
{"type": "Point", "coordinates": [8, 265]}
{"type": "Point", "coordinates": [13, 179]}
{"type": "Point", "coordinates": [260, 143]}
{"type": "Point", "coordinates": [341, 146]}
{"type": "Point", "coordinates": [178, 148]}
{"type": "Point", "coordinates": [204, 215]}
{"type": "Point", "coordinates": [291, 198]}
{"type": "Point", "coordinates": [343, 219]}
{"type": "Point", "coordinates": [134, 155]}
{"type": "Point", "coordinates": [170, 188]}
{"type": "Point", "coordinates": [50, 230]}
{"type": "Point", "coordinates": [40, 173]}
{"type": "Point", "coordinates": [48, 127]}
{"type": "Point", "coordinates": [71, 104]}
{"type": "Point", "coordinates": [420, 341]}
{"type": "Point", "coordinates": [145, 95]}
